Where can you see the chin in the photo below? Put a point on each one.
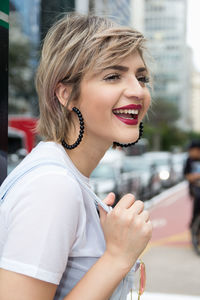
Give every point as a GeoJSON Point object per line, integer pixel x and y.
{"type": "Point", "coordinates": [127, 140]}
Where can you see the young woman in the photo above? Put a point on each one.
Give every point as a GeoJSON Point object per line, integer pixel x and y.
{"type": "Point", "coordinates": [92, 90]}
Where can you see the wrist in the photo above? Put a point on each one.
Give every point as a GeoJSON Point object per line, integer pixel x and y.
{"type": "Point", "coordinates": [120, 264]}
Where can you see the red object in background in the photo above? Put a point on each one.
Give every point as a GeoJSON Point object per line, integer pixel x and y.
{"type": "Point", "coordinates": [27, 125]}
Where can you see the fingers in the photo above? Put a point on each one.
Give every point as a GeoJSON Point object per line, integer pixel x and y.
{"type": "Point", "coordinates": [145, 216]}
{"type": "Point", "coordinates": [128, 204]}
{"type": "Point", "coordinates": [109, 200]}
{"type": "Point", "coordinates": [126, 201]}
{"type": "Point", "coordinates": [137, 207]}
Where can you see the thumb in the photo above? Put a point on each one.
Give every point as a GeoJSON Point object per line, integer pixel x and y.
{"type": "Point", "coordinates": [109, 200]}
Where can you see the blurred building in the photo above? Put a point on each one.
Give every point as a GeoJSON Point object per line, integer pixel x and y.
{"type": "Point", "coordinates": [52, 10]}
{"type": "Point", "coordinates": [23, 41]}
{"type": "Point", "coordinates": [195, 102]}
{"type": "Point", "coordinates": [163, 22]}
{"type": "Point", "coordinates": [118, 10]}
{"type": "Point", "coordinates": [82, 6]}
{"type": "Point", "coordinates": [138, 14]}
{"type": "Point", "coordinates": [38, 15]}
{"type": "Point", "coordinates": [29, 13]}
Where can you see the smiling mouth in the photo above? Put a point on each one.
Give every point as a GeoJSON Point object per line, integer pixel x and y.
{"type": "Point", "coordinates": [128, 114]}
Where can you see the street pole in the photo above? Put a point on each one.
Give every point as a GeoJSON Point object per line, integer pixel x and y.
{"type": "Point", "coordinates": [4, 26]}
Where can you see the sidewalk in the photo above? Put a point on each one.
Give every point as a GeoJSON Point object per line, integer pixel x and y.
{"type": "Point", "coordinates": [156, 296]}
{"type": "Point", "coordinates": [173, 268]}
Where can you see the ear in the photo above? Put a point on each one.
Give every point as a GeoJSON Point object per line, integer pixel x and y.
{"type": "Point", "coordinates": [63, 92]}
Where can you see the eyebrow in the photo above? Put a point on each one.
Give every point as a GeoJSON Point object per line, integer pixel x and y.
{"type": "Point", "coordinates": [125, 69]}
{"type": "Point", "coordinates": [117, 67]}
{"type": "Point", "coordinates": [142, 69]}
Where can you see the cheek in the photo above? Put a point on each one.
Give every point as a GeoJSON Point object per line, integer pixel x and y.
{"type": "Point", "coordinates": [98, 103]}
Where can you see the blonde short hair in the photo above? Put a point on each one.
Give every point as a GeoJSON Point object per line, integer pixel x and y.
{"type": "Point", "coordinates": [73, 46]}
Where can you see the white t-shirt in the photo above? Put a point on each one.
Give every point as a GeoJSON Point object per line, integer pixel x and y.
{"type": "Point", "coordinates": [49, 225]}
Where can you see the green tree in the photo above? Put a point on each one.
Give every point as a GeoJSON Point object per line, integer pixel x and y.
{"type": "Point", "coordinates": [163, 113]}
{"type": "Point", "coordinates": [161, 126]}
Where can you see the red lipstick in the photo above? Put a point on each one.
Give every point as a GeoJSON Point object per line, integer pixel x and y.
{"type": "Point", "coordinates": [125, 118]}
{"type": "Point", "coordinates": [128, 121]}
{"type": "Point", "coordinates": [130, 106]}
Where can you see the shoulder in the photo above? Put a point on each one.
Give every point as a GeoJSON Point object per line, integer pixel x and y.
{"type": "Point", "coordinates": [51, 185]}
{"type": "Point", "coordinates": [48, 197]}
{"type": "Point", "coordinates": [42, 214]}
{"type": "Point", "coordinates": [48, 186]}
{"type": "Point", "coordinates": [55, 178]}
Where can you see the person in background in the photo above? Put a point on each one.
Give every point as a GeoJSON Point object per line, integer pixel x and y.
{"type": "Point", "coordinates": [192, 174]}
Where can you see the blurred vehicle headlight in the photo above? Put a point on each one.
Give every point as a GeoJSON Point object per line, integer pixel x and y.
{"type": "Point", "coordinates": [164, 175]}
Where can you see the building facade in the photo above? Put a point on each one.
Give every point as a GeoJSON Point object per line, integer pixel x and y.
{"type": "Point", "coordinates": [117, 10]}
{"type": "Point", "coordinates": [163, 22]}
{"type": "Point", "coordinates": [195, 102]}
{"type": "Point", "coordinates": [29, 12]}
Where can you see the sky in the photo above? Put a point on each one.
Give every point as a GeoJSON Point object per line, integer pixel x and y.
{"type": "Point", "coordinates": [193, 30]}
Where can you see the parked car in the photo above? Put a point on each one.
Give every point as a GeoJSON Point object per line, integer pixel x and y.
{"type": "Point", "coordinates": [144, 173]}
{"type": "Point", "coordinates": [108, 177]}
{"type": "Point", "coordinates": [130, 182]}
{"type": "Point", "coordinates": [163, 162]}
{"type": "Point", "coordinates": [16, 148]}
{"type": "Point", "coordinates": [113, 156]}
{"type": "Point", "coordinates": [104, 179]}
{"type": "Point", "coordinates": [16, 140]}
{"type": "Point", "coordinates": [178, 161]}
{"type": "Point", "coordinates": [24, 126]}
{"type": "Point", "coordinates": [13, 160]}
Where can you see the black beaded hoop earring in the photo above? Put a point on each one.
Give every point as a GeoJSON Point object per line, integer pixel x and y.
{"type": "Point", "coordinates": [141, 126]}
{"type": "Point", "coordinates": [81, 121]}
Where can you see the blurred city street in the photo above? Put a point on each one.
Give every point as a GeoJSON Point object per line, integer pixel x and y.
{"type": "Point", "coordinates": [172, 265]}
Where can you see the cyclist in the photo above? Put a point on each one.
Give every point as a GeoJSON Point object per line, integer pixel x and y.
{"type": "Point", "coordinates": [192, 174]}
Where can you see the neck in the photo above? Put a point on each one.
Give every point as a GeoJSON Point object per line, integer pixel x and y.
{"type": "Point", "coordinates": [87, 155]}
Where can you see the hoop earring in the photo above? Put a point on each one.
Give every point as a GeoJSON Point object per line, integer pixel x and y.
{"type": "Point", "coordinates": [131, 144]}
{"type": "Point", "coordinates": [81, 121]}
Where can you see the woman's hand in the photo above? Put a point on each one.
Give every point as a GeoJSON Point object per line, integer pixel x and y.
{"type": "Point", "coordinates": [127, 229]}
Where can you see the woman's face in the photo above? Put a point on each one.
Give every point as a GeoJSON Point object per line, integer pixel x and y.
{"type": "Point", "coordinates": [114, 101]}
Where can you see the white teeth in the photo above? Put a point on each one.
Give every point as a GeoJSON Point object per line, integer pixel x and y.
{"type": "Point", "coordinates": [126, 111]}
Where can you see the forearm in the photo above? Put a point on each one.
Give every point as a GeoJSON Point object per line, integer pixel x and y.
{"type": "Point", "coordinates": [100, 281]}
{"type": "Point", "coordinates": [192, 177]}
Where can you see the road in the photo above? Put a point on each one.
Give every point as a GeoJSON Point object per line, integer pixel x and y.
{"type": "Point", "coordinates": [173, 268]}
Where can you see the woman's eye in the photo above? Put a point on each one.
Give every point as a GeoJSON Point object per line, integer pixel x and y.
{"type": "Point", "coordinates": [143, 79]}
{"type": "Point", "coordinates": [112, 77]}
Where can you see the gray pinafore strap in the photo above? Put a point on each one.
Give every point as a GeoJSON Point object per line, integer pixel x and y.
{"type": "Point", "coordinates": [13, 178]}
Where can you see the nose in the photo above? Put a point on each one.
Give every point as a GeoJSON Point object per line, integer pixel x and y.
{"type": "Point", "coordinates": [134, 89]}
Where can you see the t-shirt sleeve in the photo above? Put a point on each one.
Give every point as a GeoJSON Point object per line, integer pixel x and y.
{"type": "Point", "coordinates": [42, 227]}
